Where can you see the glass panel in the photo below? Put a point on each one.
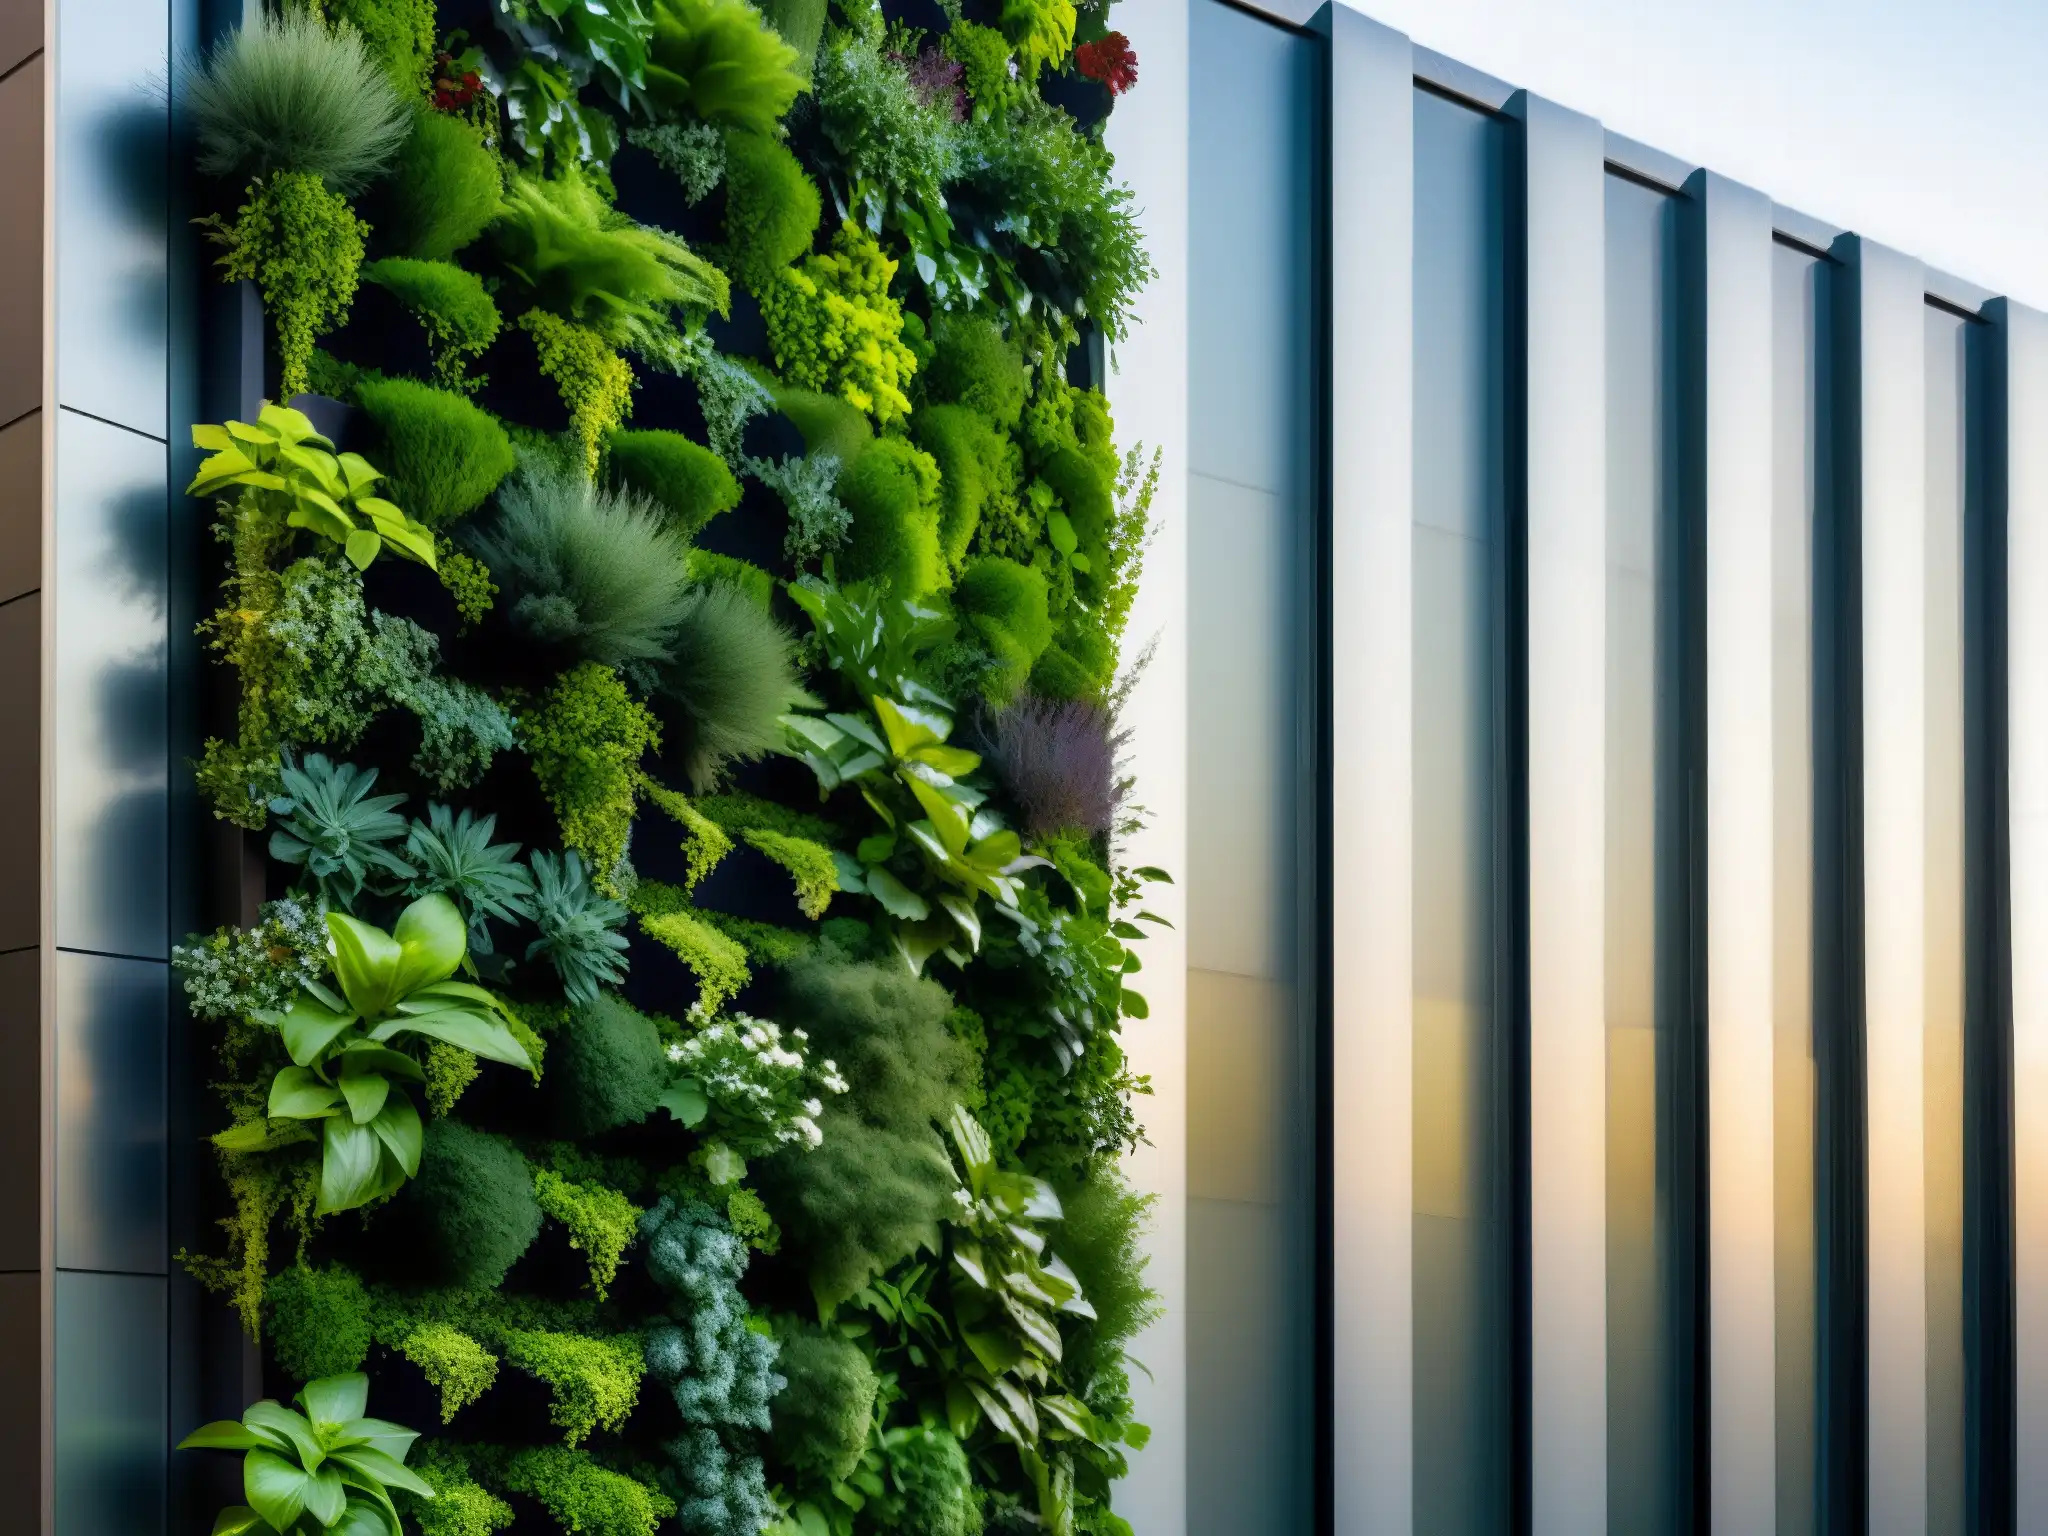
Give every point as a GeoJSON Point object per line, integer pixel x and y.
{"type": "Point", "coordinates": [1648, 944]}
{"type": "Point", "coordinates": [1462, 1380]}
{"type": "Point", "coordinates": [1251, 506]}
{"type": "Point", "coordinates": [1803, 489]}
{"type": "Point", "coordinates": [1953, 402]}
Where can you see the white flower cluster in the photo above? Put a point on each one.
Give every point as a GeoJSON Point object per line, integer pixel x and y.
{"type": "Point", "coordinates": [764, 1094]}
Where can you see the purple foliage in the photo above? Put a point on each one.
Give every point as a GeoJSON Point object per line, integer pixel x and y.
{"type": "Point", "coordinates": [936, 81]}
{"type": "Point", "coordinates": [1059, 762]}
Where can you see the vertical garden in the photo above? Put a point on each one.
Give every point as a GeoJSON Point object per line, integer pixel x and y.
{"type": "Point", "coordinates": [673, 620]}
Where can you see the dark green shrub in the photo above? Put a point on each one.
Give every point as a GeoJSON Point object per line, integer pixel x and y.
{"type": "Point", "coordinates": [974, 366]}
{"type": "Point", "coordinates": [771, 207]}
{"type": "Point", "coordinates": [1005, 604]}
{"type": "Point", "coordinates": [892, 492]}
{"type": "Point", "coordinates": [686, 480]}
{"type": "Point", "coordinates": [970, 456]}
{"type": "Point", "coordinates": [319, 1321]}
{"type": "Point", "coordinates": [284, 93]}
{"type": "Point", "coordinates": [470, 1214]}
{"type": "Point", "coordinates": [450, 302]}
{"type": "Point", "coordinates": [444, 189]}
{"type": "Point", "coordinates": [874, 1192]}
{"type": "Point", "coordinates": [597, 571]}
{"type": "Point", "coordinates": [801, 24]}
{"type": "Point", "coordinates": [442, 454]}
{"type": "Point", "coordinates": [935, 1493]}
{"type": "Point", "coordinates": [822, 1415]}
{"type": "Point", "coordinates": [729, 680]}
{"type": "Point", "coordinates": [606, 1067]}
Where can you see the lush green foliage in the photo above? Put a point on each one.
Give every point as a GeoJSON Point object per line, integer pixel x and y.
{"type": "Point", "coordinates": [597, 573]}
{"type": "Point", "coordinates": [771, 208]}
{"type": "Point", "coordinates": [881, 926]}
{"type": "Point", "coordinates": [444, 190]}
{"type": "Point", "coordinates": [570, 253]}
{"type": "Point", "coordinates": [329, 1468]}
{"type": "Point", "coordinates": [456, 310]}
{"type": "Point", "coordinates": [287, 93]}
{"type": "Point", "coordinates": [444, 455]}
{"type": "Point", "coordinates": [302, 246]}
{"type": "Point", "coordinates": [717, 60]}
{"type": "Point", "coordinates": [833, 326]}
{"type": "Point", "coordinates": [727, 682]}
{"type": "Point", "coordinates": [472, 1210]}
{"type": "Point", "coordinates": [686, 480]}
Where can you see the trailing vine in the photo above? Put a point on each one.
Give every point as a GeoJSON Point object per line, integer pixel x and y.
{"type": "Point", "coordinates": [681, 1062]}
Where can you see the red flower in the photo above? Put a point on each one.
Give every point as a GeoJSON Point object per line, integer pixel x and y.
{"type": "Point", "coordinates": [454, 90]}
{"type": "Point", "coordinates": [1109, 60]}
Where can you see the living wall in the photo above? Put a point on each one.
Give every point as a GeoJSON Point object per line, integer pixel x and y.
{"type": "Point", "coordinates": [676, 608]}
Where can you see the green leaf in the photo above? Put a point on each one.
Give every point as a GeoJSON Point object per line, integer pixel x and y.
{"type": "Point", "coordinates": [371, 1463]}
{"type": "Point", "coordinates": [485, 1037]}
{"type": "Point", "coordinates": [366, 1092]}
{"type": "Point", "coordinates": [361, 547]}
{"type": "Point", "coordinates": [325, 1497]}
{"type": "Point", "coordinates": [397, 1126]}
{"type": "Point", "coordinates": [294, 1427]}
{"type": "Point", "coordinates": [363, 1518]}
{"type": "Point", "coordinates": [1060, 530]}
{"type": "Point", "coordinates": [275, 1488]}
{"type": "Point", "coordinates": [333, 1402]}
{"type": "Point", "coordinates": [351, 1166]}
{"type": "Point", "coordinates": [240, 1520]}
{"type": "Point", "coordinates": [432, 939]}
{"type": "Point", "coordinates": [297, 1093]}
{"type": "Point", "coordinates": [876, 848]}
{"type": "Point", "coordinates": [897, 899]}
{"type": "Point", "coordinates": [997, 1352]}
{"type": "Point", "coordinates": [394, 1440]}
{"type": "Point", "coordinates": [1153, 872]}
{"type": "Point", "coordinates": [220, 1435]}
{"type": "Point", "coordinates": [851, 876]}
{"type": "Point", "coordinates": [686, 1101]}
{"type": "Point", "coordinates": [366, 961]}
{"type": "Point", "coordinates": [311, 1027]}
{"type": "Point", "coordinates": [360, 1056]}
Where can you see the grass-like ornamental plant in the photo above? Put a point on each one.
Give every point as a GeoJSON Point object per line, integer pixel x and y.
{"type": "Point", "coordinates": [1058, 760]}
{"type": "Point", "coordinates": [597, 572]}
{"type": "Point", "coordinates": [729, 677]}
{"type": "Point", "coordinates": [719, 61]}
{"type": "Point", "coordinates": [346, 1071]}
{"type": "Point", "coordinates": [291, 472]}
{"type": "Point", "coordinates": [451, 304]}
{"type": "Point", "coordinates": [443, 454]}
{"type": "Point", "coordinates": [287, 93]}
{"type": "Point", "coordinates": [329, 1468]}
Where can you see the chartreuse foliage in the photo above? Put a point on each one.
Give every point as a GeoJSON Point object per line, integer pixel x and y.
{"type": "Point", "coordinates": [329, 1468]}
{"type": "Point", "coordinates": [281, 467]}
{"type": "Point", "coordinates": [874, 438]}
